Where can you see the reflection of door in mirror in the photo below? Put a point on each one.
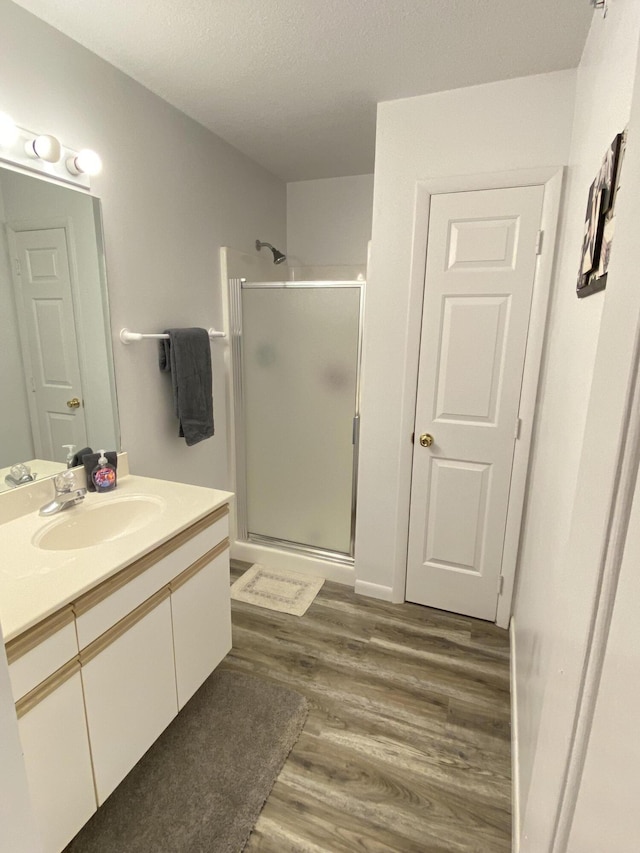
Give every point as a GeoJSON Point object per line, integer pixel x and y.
{"type": "Point", "coordinates": [44, 305]}
{"type": "Point", "coordinates": [54, 326]}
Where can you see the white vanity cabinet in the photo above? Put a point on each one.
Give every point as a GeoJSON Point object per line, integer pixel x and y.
{"type": "Point", "coordinates": [44, 669]}
{"type": "Point", "coordinates": [97, 682]}
{"type": "Point", "coordinates": [53, 733]}
{"type": "Point", "coordinates": [130, 690]}
{"type": "Point", "coordinates": [200, 641]}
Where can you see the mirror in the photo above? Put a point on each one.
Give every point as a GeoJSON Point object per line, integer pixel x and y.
{"type": "Point", "coordinates": [56, 367]}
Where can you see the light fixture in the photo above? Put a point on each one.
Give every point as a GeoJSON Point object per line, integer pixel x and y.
{"type": "Point", "coordinates": [44, 147]}
{"type": "Point", "coordinates": [86, 162]}
{"type": "Point", "coordinates": [8, 131]}
{"type": "Point", "coordinates": [46, 154]}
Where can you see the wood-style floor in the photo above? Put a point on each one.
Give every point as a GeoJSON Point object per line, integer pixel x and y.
{"type": "Point", "coordinates": [407, 745]}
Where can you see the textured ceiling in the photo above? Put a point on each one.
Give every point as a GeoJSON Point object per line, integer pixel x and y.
{"type": "Point", "coordinates": [294, 83]}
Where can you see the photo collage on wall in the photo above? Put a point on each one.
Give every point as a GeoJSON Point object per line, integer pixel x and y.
{"type": "Point", "coordinates": [599, 223]}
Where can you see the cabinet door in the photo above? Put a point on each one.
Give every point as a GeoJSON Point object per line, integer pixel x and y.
{"type": "Point", "coordinates": [54, 739]}
{"type": "Point", "coordinates": [130, 690]}
{"type": "Point", "coordinates": [201, 608]}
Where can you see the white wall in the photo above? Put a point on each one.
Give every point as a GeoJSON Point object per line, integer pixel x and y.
{"type": "Point", "coordinates": [514, 124]}
{"type": "Point", "coordinates": [329, 224]}
{"type": "Point", "coordinates": [172, 194]}
{"type": "Point", "coordinates": [603, 100]}
{"type": "Point", "coordinates": [606, 816]}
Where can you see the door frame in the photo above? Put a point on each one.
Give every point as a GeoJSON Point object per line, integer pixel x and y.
{"type": "Point", "coordinates": [551, 177]}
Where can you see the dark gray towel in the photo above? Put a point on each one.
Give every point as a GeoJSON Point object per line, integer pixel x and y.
{"type": "Point", "coordinates": [77, 459]}
{"type": "Point", "coordinates": [187, 356]}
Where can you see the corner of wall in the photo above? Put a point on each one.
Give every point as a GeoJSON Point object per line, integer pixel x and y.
{"type": "Point", "coordinates": [374, 590]}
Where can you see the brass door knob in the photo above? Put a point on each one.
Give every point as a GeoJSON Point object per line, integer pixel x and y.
{"type": "Point", "coordinates": [74, 403]}
{"type": "Point", "coordinates": [426, 440]}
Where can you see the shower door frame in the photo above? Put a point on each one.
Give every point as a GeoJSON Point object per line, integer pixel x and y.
{"type": "Point", "coordinates": [236, 285]}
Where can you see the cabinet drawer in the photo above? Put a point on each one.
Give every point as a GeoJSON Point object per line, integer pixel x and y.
{"type": "Point", "coordinates": [40, 651]}
{"type": "Point", "coordinates": [105, 605]}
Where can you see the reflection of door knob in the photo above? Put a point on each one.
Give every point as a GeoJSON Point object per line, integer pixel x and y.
{"type": "Point", "coordinates": [426, 440]}
{"type": "Point", "coordinates": [74, 403]}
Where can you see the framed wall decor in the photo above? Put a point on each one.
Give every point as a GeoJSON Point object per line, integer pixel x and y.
{"type": "Point", "coordinates": [600, 222]}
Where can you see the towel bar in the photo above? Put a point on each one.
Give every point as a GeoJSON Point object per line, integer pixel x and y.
{"type": "Point", "coordinates": [128, 337]}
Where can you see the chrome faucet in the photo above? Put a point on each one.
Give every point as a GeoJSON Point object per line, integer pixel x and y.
{"type": "Point", "coordinates": [67, 494]}
{"type": "Point", "coordinates": [19, 475]}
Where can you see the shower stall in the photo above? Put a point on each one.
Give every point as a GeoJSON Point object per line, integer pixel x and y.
{"type": "Point", "coordinates": [295, 366]}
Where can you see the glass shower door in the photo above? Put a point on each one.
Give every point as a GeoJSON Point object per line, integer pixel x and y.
{"type": "Point", "coordinates": [300, 353]}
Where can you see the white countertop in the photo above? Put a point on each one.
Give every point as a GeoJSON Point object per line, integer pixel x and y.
{"type": "Point", "coordinates": [35, 583]}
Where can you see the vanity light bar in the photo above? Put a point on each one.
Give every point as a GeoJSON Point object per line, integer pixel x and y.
{"type": "Point", "coordinates": [86, 162]}
{"type": "Point", "coordinates": [44, 147]}
{"type": "Point", "coordinates": [45, 154]}
{"type": "Point", "coordinates": [128, 337]}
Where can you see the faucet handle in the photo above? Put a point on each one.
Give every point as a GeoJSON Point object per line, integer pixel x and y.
{"type": "Point", "coordinates": [21, 473]}
{"type": "Point", "coordinates": [64, 482]}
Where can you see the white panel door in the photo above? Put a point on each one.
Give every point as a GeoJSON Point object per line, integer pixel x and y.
{"type": "Point", "coordinates": [49, 345]}
{"type": "Point", "coordinates": [481, 262]}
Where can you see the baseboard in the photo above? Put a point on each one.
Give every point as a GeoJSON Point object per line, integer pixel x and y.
{"type": "Point", "coordinates": [374, 590]}
{"type": "Point", "coordinates": [251, 552]}
{"type": "Point", "coordinates": [515, 753]}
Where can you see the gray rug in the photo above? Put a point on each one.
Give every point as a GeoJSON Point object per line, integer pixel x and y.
{"type": "Point", "coordinates": [202, 785]}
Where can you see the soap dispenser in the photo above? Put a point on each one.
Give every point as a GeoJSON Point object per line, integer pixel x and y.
{"type": "Point", "coordinates": [103, 475]}
{"type": "Point", "coordinates": [71, 449]}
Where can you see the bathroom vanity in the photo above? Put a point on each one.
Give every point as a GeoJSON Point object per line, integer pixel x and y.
{"type": "Point", "coordinates": [113, 613]}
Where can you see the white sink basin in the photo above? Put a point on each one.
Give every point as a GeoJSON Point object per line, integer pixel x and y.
{"type": "Point", "coordinates": [87, 526]}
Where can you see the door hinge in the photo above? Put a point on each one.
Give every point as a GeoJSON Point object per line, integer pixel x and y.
{"type": "Point", "coordinates": [518, 427]}
{"type": "Point", "coordinates": [539, 239]}
{"type": "Point", "coordinates": [501, 585]}
{"type": "Point", "coordinates": [18, 267]}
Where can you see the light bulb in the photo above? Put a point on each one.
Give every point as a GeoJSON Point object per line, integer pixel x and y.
{"type": "Point", "coordinates": [8, 131]}
{"type": "Point", "coordinates": [87, 162]}
{"type": "Point", "coordinates": [44, 148]}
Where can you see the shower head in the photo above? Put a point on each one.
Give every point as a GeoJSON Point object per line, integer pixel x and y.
{"type": "Point", "coordinates": [278, 257]}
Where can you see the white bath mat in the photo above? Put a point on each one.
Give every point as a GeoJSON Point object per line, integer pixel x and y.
{"type": "Point", "coordinates": [275, 589]}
